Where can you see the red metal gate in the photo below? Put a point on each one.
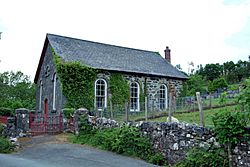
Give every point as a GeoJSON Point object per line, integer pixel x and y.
{"type": "Point", "coordinates": [4, 119]}
{"type": "Point", "coordinates": [45, 124]}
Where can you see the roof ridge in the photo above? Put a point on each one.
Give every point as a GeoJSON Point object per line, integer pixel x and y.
{"type": "Point", "coordinates": [103, 43]}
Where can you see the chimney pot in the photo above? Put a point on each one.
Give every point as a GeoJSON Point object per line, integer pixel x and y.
{"type": "Point", "coordinates": [167, 54]}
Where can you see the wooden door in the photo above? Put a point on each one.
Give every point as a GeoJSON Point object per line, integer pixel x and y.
{"type": "Point", "coordinates": [46, 107]}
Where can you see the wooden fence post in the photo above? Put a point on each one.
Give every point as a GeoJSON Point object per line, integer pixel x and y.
{"type": "Point", "coordinates": [111, 109]}
{"type": "Point", "coordinates": [146, 109]}
{"type": "Point", "coordinates": [126, 111]}
{"type": "Point", "coordinates": [210, 100]}
{"type": "Point", "coordinates": [170, 108]}
{"type": "Point", "coordinates": [198, 96]}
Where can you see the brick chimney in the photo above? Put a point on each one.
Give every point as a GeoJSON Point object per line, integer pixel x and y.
{"type": "Point", "coordinates": [167, 54]}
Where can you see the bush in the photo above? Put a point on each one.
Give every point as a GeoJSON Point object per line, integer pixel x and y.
{"type": "Point", "coordinates": [67, 112]}
{"type": "Point", "coordinates": [157, 159]}
{"type": "Point", "coordinates": [5, 145]}
{"type": "Point", "coordinates": [229, 127]}
{"type": "Point", "coordinates": [123, 140]}
{"type": "Point", "coordinates": [201, 157]}
{"type": "Point", "coordinates": [1, 129]}
{"type": "Point", "coordinates": [6, 112]}
{"type": "Point", "coordinates": [244, 98]}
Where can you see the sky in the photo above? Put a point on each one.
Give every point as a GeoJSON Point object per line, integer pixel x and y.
{"type": "Point", "coordinates": [198, 31]}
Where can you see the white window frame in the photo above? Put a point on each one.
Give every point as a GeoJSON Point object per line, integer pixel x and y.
{"type": "Point", "coordinates": [54, 92]}
{"type": "Point", "coordinates": [40, 95]}
{"type": "Point", "coordinates": [166, 96]}
{"type": "Point", "coordinates": [137, 98]}
{"type": "Point", "coordinates": [105, 94]}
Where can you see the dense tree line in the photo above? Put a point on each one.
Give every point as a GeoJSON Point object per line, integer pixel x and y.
{"type": "Point", "coordinates": [232, 72]}
{"type": "Point", "coordinates": [212, 77]}
{"type": "Point", "coordinates": [16, 91]}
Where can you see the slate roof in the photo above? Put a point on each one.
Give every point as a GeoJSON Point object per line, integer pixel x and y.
{"type": "Point", "coordinates": [111, 57]}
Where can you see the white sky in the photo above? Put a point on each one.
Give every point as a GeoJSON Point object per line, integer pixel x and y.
{"type": "Point", "coordinates": [202, 31]}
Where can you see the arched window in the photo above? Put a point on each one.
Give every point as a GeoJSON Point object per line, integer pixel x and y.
{"type": "Point", "coordinates": [100, 94]}
{"type": "Point", "coordinates": [40, 95]}
{"type": "Point", "coordinates": [54, 92]}
{"type": "Point", "coordinates": [163, 97]}
{"type": "Point", "coordinates": [134, 96]}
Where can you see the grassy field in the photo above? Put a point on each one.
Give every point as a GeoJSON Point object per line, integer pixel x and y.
{"type": "Point", "coordinates": [194, 117]}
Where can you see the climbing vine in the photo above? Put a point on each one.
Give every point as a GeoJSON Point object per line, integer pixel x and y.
{"type": "Point", "coordinates": [142, 94]}
{"type": "Point", "coordinates": [77, 82]}
{"type": "Point", "coordinates": [119, 88]}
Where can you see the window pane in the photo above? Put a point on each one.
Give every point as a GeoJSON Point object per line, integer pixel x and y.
{"type": "Point", "coordinates": [134, 96]}
{"type": "Point", "coordinates": [162, 97]}
{"type": "Point", "coordinates": [100, 94]}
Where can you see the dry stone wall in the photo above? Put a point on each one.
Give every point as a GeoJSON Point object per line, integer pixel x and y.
{"type": "Point", "coordinates": [173, 140]}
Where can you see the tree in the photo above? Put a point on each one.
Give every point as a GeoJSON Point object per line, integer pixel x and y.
{"type": "Point", "coordinates": [242, 70]}
{"type": "Point", "coordinates": [228, 127]}
{"type": "Point", "coordinates": [16, 91]}
{"type": "Point", "coordinates": [178, 66]}
{"type": "Point", "coordinates": [193, 85]}
{"type": "Point", "coordinates": [212, 71]}
{"type": "Point", "coordinates": [229, 71]}
{"type": "Point", "coordinates": [200, 70]}
{"type": "Point", "coordinates": [220, 83]}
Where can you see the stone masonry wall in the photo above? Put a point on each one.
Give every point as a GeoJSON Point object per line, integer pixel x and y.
{"type": "Point", "coordinates": [174, 139]}
{"type": "Point", "coordinates": [152, 86]}
{"type": "Point", "coordinates": [46, 78]}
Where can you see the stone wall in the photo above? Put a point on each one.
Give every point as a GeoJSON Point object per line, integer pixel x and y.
{"type": "Point", "coordinates": [152, 87]}
{"type": "Point", "coordinates": [173, 140]}
{"type": "Point", "coordinates": [46, 84]}
{"type": "Point", "coordinates": [241, 153]}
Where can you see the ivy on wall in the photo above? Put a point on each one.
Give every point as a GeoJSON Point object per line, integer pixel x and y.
{"type": "Point", "coordinates": [77, 82]}
{"type": "Point", "coordinates": [119, 88]}
{"type": "Point", "coordinates": [143, 92]}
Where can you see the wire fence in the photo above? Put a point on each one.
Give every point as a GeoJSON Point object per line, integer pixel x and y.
{"type": "Point", "coordinates": [124, 113]}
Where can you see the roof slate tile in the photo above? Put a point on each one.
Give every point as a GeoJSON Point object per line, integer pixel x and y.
{"type": "Point", "coordinates": [111, 57]}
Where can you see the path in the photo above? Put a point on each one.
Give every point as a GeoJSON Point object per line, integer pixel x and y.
{"type": "Point", "coordinates": [51, 151]}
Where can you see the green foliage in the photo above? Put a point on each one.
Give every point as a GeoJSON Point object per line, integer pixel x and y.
{"type": "Point", "coordinates": [212, 71]}
{"type": "Point", "coordinates": [6, 112]}
{"type": "Point", "coordinates": [5, 145]}
{"type": "Point", "coordinates": [211, 87]}
{"type": "Point", "coordinates": [223, 98]}
{"type": "Point", "coordinates": [200, 157]}
{"type": "Point", "coordinates": [123, 140]}
{"type": "Point", "coordinates": [220, 83]}
{"type": "Point", "coordinates": [193, 85]}
{"type": "Point", "coordinates": [16, 91]}
{"type": "Point", "coordinates": [77, 83]}
{"type": "Point", "coordinates": [244, 98]}
{"type": "Point", "coordinates": [157, 159]}
{"type": "Point", "coordinates": [1, 129]}
{"type": "Point", "coordinates": [67, 112]}
{"type": "Point", "coordinates": [119, 88]}
{"type": "Point", "coordinates": [233, 87]}
{"type": "Point", "coordinates": [232, 72]}
{"type": "Point", "coordinates": [143, 93]}
{"type": "Point", "coordinates": [229, 127]}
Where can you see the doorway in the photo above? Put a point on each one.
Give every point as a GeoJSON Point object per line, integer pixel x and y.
{"type": "Point", "coordinates": [46, 107]}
